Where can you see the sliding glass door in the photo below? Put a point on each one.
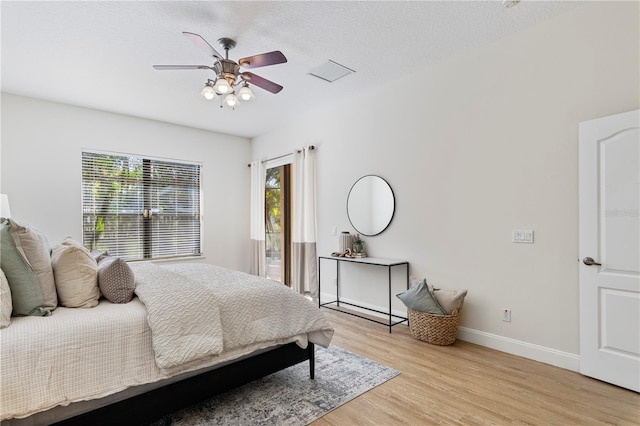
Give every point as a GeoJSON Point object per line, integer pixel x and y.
{"type": "Point", "coordinates": [278, 223]}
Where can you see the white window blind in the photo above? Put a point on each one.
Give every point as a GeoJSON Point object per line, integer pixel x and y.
{"type": "Point", "coordinates": [140, 208]}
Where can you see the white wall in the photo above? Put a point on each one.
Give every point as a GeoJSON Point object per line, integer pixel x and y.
{"type": "Point", "coordinates": [488, 143]}
{"type": "Point", "coordinates": [41, 168]}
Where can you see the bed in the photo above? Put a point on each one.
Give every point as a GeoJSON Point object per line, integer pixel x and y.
{"type": "Point", "coordinates": [192, 330]}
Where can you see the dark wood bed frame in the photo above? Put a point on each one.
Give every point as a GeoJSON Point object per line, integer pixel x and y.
{"type": "Point", "coordinates": [150, 406]}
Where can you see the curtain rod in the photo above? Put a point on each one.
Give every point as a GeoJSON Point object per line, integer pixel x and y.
{"type": "Point", "coordinates": [311, 147]}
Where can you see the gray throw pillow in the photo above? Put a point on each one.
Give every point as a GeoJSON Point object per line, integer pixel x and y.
{"type": "Point", "coordinates": [420, 298]}
{"type": "Point", "coordinates": [33, 245]}
{"type": "Point", "coordinates": [116, 279]}
{"type": "Point", "coordinates": [26, 291]}
{"type": "Point", "coordinates": [6, 306]}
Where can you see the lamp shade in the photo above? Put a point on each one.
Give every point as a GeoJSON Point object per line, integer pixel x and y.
{"type": "Point", "coordinates": [222, 86]}
{"type": "Point", "coordinates": [231, 100]}
{"type": "Point", "coordinates": [246, 94]}
{"type": "Point", "coordinates": [5, 210]}
{"type": "Point", "coordinates": [208, 93]}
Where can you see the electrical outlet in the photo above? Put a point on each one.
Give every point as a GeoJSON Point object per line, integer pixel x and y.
{"type": "Point", "coordinates": [335, 282]}
{"type": "Point", "coordinates": [506, 315]}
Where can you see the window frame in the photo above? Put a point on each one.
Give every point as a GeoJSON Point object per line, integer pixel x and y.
{"type": "Point", "coordinates": [149, 212]}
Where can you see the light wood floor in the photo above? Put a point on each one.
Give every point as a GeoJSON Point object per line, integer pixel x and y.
{"type": "Point", "coordinates": [467, 384]}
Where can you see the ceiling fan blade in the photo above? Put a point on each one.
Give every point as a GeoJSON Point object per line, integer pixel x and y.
{"type": "Point", "coordinates": [261, 82]}
{"type": "Point", "coordinates": [262, 60]}
{"type": "Point", "coordinates": [182, 67]}
{"type": "Point", "coordinates": [202, 44]}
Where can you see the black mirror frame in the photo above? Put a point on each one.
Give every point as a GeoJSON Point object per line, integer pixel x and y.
{"type": "Point", "coordinates": [393, 212]}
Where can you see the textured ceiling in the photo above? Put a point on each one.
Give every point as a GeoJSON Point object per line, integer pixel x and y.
{"type": "Point", "coordinates": [99, 54]}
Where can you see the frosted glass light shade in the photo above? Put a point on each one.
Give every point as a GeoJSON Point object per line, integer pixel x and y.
{"type": "Point", "coordinates": [231, 100]}
{"type": "Point", "coordinates": [222, 86]}
{"type": "Point", "coordinates": [246, 94]}
{"type": "Point", "coordinates": [208, 93]}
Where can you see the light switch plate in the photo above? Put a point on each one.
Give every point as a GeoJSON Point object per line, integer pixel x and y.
{"type": "Point", "coordinates": [522, 236]}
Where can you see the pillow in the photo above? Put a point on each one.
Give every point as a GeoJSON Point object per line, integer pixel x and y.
{"type": "Point", "coordinates": [5, 301]}
{"type": "Point", "coordinates": [75, 271]}
{"type": "Point", "coordinates": [450, 299]}
{"type": "Point", "coordinates": [98, 255]}
{"type": "Point", "coordinates": [420, 298]}
{"type": "Point", "coordinates": [116, 279]}
{"type": "Point", "coordinates": [26, 292]}
{"type": "Point", "coordinates": [34, 247]}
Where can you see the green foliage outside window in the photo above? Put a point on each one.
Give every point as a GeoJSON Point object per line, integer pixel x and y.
{"type": "Point", "coordinates": [272, 210]}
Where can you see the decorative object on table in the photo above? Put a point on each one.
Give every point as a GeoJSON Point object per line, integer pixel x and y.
{"type": "Point", "coordinates": [358, 247]}
{"type": "Point", "coordinates": [348, 253]}
{"type": "Point", "coordinates": [433, 313]}
{"type": "Point", "coordinates": [345, 241]}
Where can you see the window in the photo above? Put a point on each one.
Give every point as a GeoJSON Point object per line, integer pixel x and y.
{"type": "Point", "coordinates": [140, 208]}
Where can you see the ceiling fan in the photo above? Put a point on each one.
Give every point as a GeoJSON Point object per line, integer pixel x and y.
{"type": "Point", "coordinates": [228, 74]}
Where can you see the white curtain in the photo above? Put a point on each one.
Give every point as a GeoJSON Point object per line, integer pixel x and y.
{"type": "Point", "coordinates": [304, 222]}
{"type": "Point", "coordinates": [258, 179]}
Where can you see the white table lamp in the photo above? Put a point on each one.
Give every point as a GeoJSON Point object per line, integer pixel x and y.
{"type": "Point", "coordinates": [5, 210]}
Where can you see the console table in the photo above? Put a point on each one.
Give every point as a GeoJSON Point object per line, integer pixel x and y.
{"type": "Point", "coordinates": [374, 261]}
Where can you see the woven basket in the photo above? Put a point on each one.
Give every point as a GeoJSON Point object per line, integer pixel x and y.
{"type": "Point", "coordinates": [432, 328]}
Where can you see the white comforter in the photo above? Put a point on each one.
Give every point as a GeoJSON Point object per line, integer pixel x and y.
{"type": "Point", "coordinates": [197, 310]}
{"type": "Point", "coordinates": [82, 354]}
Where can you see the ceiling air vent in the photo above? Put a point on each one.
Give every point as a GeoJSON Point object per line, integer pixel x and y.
{"type": "Point", "coordinates": [331, 71]}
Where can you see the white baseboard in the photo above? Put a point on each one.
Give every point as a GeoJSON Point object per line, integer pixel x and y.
{"type": "Point", "coordinates": [539, 353]}
{"type": "Point", "coordinates": [550, 356]}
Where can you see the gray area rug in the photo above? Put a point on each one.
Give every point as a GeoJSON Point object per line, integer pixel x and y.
{"type": "Point", "coordinates": [289, 397]}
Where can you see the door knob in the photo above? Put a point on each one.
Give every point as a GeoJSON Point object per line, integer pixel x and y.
{"type": "Point", "coordinates": [589, 261]}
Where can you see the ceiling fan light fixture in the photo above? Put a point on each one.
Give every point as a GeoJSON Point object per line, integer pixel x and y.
{"type": "Point", "coordinates": [208, 91]}
{"type": "Point", "coordinates": [245, 93]}
{"type": "Point", "coordinates": [230, 83]}
{"type": "Point", "coordinates": [231, 100]}
{"type": "Point", "coordinates": [222, 86]}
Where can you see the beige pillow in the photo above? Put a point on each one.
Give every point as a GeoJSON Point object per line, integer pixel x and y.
{"type": "Point", "coordinates": [5, 301]}
{"type": "Point", "coordinates": [450, 299]}
{"type": "Point", "coordinates": [34, 247]}
{"type": "Point", "coordinates": [76, 275]}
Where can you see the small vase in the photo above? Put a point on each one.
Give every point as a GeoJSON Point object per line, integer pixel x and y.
{"type": "Point", "coordinates": [358, 247]}
{"type": "Point", "coordinates": [345, 242]}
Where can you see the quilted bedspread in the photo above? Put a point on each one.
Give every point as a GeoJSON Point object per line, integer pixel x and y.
{"type": "Point", "coordinates": [198, 310]}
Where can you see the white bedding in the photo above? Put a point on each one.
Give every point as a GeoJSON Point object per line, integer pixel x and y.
{"type": "Point", "coordinates": [82, 354]}
{"type": "Point", "coordinates": [183, 315]}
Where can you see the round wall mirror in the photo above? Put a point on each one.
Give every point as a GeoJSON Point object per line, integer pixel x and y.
{"type": "Point", "coordinates": [370, 205]}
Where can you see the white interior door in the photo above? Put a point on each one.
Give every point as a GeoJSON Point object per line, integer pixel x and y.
{"type": "Point", "coordinates": [610, 249]}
